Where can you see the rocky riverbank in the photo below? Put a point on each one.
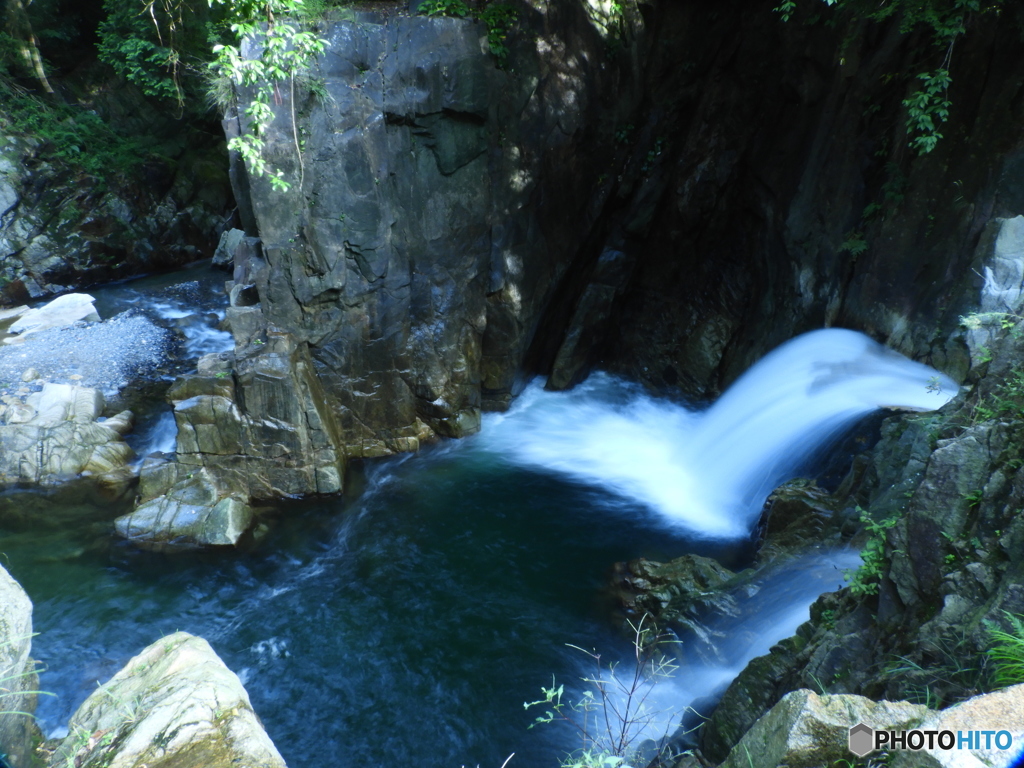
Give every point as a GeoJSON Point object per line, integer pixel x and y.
{"type": "Point", "coordinates": [175, 705]}
{"type": "Point", "coordinates": [937, 505]}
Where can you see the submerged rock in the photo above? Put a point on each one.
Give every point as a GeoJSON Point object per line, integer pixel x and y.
{"type": "Point", "coordinates": [175, 705]}
{"type": "Point", "coordinates": [18, 678]}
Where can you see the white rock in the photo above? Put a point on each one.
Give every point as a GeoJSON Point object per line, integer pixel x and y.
{"type": "Point", "coordinates": [17, 671]}
{"type": "Point", "coordinates": [62, 311]}
{"type": "Point", "coordinates": [57, 403]}
{"type": "Point", "coordinates": [999, 711]}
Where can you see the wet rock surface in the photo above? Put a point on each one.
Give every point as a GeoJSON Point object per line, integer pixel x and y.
{"type": "Point", "coordinates": [951, 486]}
{"type": "Point", "coordinates": [192, 512]}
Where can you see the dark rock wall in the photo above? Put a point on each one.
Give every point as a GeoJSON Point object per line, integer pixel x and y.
{"type": "Point", "coordinates": [668, 196]}
{"type": "Point", "coordinates": [782, 141]}
{"type": "Point", "coordinates": [437, 202]}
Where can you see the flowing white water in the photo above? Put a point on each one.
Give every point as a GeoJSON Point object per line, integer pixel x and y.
{"type": "Point", "coordinates": [710, 471]}
{"type": "Point", "coordinates": [768, 611]}
{"type": "Point", "coordinates": [160, 438]}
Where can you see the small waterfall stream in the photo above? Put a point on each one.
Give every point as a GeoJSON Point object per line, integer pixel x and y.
{"type": "Point", "coordinates": [710, 471]}
{"type": "Point", "coordinates": [407, 622]}
{"type": "Point", "coordinates": [190, 302]}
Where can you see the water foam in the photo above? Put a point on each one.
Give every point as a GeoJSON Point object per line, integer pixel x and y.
{"type": "Point", "coordinates": [710, 471]}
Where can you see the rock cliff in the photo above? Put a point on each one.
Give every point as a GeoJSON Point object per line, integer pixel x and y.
{"type": "Point", "coordinates": [668, 192]}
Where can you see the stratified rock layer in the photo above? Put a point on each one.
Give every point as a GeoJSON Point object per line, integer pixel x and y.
{"type": "Point", "coordinates": [55, 434]}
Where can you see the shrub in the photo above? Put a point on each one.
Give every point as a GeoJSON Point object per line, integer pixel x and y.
{"type": "Point", "coordinates": [614, 715]}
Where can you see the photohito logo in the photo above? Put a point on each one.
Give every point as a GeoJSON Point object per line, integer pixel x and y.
{"type": "Point", "coordinates": [864, 739]}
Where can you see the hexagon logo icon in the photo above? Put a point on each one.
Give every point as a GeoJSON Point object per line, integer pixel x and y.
{"type": "Point", "coordinates": [862, 739]}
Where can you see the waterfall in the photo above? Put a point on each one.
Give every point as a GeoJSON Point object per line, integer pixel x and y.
{"type": "Point", "coordinates": [710, 471]}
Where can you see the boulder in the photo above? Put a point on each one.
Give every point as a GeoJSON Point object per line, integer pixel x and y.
{"type": "Point", "coordinates": [175, 705]}
{"type": "Point", "coordinates": [193, 512]}
{"type": "Point", "coordinates": [18, 678]}
{"type": "Point", "coordinates": [62, 311]}
{"type": "Point", "coordinates": [805, 730]}
{"type": "Point", "coordinates": [672, 593]}
{"type": "Point", "coordinates": [999, 711]}
{"type": "Point", "coordinates": [224, 256]}
{"type": "Point", "coordinates": [56, 434]}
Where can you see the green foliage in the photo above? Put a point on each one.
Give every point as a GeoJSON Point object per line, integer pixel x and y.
{"type": "Point", "coordinates": [499, 18]}
{"type": "Point", "coordinates": [785, 9]}
{"type": "Point", "coordinates": [1007, 321]}
{"type": "Point", "coordinates": [854, 244]}
{"type": "Point", "coordinates": [285, 52]}
{"type": "Point", "coordinates": [1007, 652]}
{"type": "Point", "coordinates": [75, 137]}
{"type": "Point", "coordinates": [613, 713]}
{"type": "Point", "coordinates": [944, 20]}
{"type": "Point", "coordinates": [155, 44]}
{"type": "Point", "coordinates": [1005, 401]}
{"type": "Point", "coordinates": [445, 8]}
{"type": "Point", "coordinates": [927, 109]}
{"type": "Point", "coordinates": [10, 688]}
{"type": "Point", "coordinates": [864, 580]}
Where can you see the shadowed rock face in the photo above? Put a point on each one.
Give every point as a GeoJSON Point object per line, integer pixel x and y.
{"type": "Point", "coordinates": [670, 202]}
{"type": "Point", "coordinates": [426, 225]}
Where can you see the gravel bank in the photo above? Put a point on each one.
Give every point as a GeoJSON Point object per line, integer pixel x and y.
{"type": "Point", "coordinates": [105, 355]}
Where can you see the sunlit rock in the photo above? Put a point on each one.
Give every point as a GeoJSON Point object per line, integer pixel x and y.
{"type": "Point", "coordinates": [194, 511]}
{"type": "Point", "coordinates": [17, 672]}
{"type": "Point", "coordinates": [57, 434]}
{"type": "Point", "coordinates": [62, 311]}
{"type": "Point", "coordinates": [175, 705]}
{"type": "Point", "coordinates": [805, 730]}
{"type": "Point", "coordinates": [992, 712]}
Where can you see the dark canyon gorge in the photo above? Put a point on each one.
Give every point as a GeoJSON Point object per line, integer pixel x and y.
{"type": "Point", "coordinates": [633, 201]}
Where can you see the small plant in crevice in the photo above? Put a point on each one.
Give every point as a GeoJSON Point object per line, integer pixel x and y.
{"type": "Point", "coordinates": [10, 688]}
{"type": "Point", "coordinates": [444, 8]}
{"type": "Point", "coordinates": [854, 244]}
{"type": "Point", "coordinates": [952, 671]}
{"type": "Point", "coordinates": [499, 18]}
{"type": "Point", "coordinates": [652, 155]}
{"type": "Point", "coordinates": [614, 715]}
{"type": "Point", "coordinates": [1007, 321]}
{"type": "Point", "coordinates": [1005, 401]}
{"type": "Point", "coordinates": [864, 580]}
{"type": "Point", "coordinates": [1006, 651]}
